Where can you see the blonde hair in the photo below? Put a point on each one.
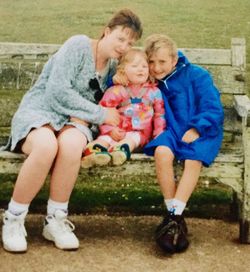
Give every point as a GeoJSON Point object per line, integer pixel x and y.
{"type": "Point", "coordinates": [127, 19]}
{"type": "Point", "coordinates": [156, 41]}
{"type": "Point", "coordinates": [129, 57]}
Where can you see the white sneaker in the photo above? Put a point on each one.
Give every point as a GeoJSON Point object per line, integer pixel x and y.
{"type": "Point", "coordinates": [13, 232]}
{"type": "Point", "coordinates": [59, 229]}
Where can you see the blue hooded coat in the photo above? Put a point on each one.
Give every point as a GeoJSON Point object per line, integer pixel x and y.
{"type": "Point", "coordinates": [191, 101]}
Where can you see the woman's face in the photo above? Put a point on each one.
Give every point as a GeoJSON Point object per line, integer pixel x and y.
{"type": "Point", "coordinates": [161, 63]}
{"type": "Point", "coordinates": [118, 41]}
{"type": "Point", "coordinates": [137, 70]}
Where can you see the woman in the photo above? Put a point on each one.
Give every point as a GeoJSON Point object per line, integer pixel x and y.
{"type": "Point", "coordinates": [43, 127]}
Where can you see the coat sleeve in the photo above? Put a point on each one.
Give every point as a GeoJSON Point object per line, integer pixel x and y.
{"type": "Point", "coordinates": [208, 114]}
{"type": "Point", "coordinates": [61, 95]}
{"type": "Point", "coordinates": [159, 114]}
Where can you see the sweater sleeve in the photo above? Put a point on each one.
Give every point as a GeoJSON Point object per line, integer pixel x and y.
{"type": "Point", "coordinates": [61, 95]}
{"type": "Point", "coordinates": [208, 116]}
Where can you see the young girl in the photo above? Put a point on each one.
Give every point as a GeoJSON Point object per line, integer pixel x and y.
{"type": "Point", "coordinates": [141, 108]}
{"type": "Point", "coordinates": [43, 128]}
{"type": "Point", "coordinates": [194, 117]}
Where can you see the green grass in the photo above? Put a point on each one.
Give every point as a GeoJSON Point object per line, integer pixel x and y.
{"type": "Point", "coordinates": [128, 196]}
{"type": "Point", "coordinates": [192, 23]}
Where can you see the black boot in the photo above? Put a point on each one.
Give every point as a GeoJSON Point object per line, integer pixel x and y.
{"type": "Point", "coordinates": [171, 234]}
{"type": "Point", "coordinates": [182, 242]}
{"type": "Point", "coordinates": [166, 233]}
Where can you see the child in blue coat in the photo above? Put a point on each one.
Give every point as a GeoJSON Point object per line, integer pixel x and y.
{"type": "Point", "coordinates": [194, 133]}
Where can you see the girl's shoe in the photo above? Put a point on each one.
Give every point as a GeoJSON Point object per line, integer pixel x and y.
{"type": "Point", "coordinates": [120, 154]}
{"type": "Point", "coordinates": [95, 155]}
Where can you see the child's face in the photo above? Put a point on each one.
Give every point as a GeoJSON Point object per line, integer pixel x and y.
{"type": "Point", "coordinates": [161, 63]}
{"type": "Point", "coordinates": [137, 70]}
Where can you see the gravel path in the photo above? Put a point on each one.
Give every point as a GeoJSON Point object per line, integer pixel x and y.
{"type": "Point", "coordinates": [125, 244]}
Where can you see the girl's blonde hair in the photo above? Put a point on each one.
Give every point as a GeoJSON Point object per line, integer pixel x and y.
{"type": "Point", "coordinates": [156, 41]}
{"type": "Point", "coordinates": [129, 57]}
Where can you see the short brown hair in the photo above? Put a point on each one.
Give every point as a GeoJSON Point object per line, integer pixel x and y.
{"type": "Point", "coordinates": [157, 41]}
{"type": "Point", "coordinates": [127, 19]}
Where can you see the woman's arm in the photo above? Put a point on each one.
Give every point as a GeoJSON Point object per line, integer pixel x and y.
{"type": "Point", "coordinates": [61, 95]}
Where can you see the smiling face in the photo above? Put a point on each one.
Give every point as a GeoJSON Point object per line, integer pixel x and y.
{"type": "Point", "coordinates": [161, 63]}
{"type": "Point", "coordinates": [136, 69]}
{"type": "Point", "coordinates": [118, 41]}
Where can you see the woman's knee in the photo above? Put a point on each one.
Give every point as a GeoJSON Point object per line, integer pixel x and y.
{"type": "Point", "coordinates": [41, 141]}
{"type": "Point", "coordinates": [72, 143]}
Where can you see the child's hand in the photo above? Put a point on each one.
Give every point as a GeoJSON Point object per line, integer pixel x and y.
{"type": "Point", "coordinates": [79, 121]}
{"type": "Point", "coordinates": [117, 134]}
{"type": "Point", "coordinates": [112, 117]}
{"type": "Point", "coordinates": [191, 135]}
{"type": "Point", "coordinates": [120, 78]}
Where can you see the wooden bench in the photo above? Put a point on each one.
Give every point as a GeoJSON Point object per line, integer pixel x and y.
{"type": "Point", "coordinates": [20, 64]}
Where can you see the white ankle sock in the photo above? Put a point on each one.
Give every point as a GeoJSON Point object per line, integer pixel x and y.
{"type": "Point", "coordinates": [17, 208]}
{"type": "Point", "coordinates": [54, 205]}
{"type": "Point", "coordinates": [168, 203]}
{"type": "Point", "coordinates": [177, 207]}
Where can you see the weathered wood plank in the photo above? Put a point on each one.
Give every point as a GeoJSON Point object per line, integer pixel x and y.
{"type": "Point", "coordinates": [26, 50]}
{"type": "Point", "coordinates": [242, 105]}
{"type": "Point", "coordinates": [238, 46]}
{"type": "Point", "coordinates": [206, 56]}
{"type": "Point", "coordinates": [33, 50]}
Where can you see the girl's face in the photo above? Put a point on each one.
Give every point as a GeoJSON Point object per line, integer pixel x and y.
{"type": "Point", "coordinates": [137, 70]}
{"type": "Point", "coordinates": [118, 41]}
{"type": "Point", "coordinates": [161, 63]}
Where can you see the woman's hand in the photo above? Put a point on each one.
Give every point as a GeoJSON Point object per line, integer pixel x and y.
{"type": "Point", "coordinates": [112, 117]}
{"type": "Point", "coordinates": [117, 134]}
{"type": "Point", "coordinates": [190, 135]}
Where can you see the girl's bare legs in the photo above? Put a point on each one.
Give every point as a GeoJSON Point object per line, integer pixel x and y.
{"type": "Point", "coordinates": [41, 147]}
{"type": "Point", "coordinates": [71, 143]}
{"type": "Point", "coordinates": [165, 172]}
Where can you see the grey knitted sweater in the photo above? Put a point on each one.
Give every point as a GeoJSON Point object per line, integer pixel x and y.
{"type": "Point", "coordinates": [61, 91]}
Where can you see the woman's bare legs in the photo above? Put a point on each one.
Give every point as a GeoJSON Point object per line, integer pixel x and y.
{"type": "Point", "coordinates": [41, 147]}
{"type": "Point", "coordinates": [71, 143]}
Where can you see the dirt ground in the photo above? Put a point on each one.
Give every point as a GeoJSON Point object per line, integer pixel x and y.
{"type": "Point", "coordinates": [125, 244]}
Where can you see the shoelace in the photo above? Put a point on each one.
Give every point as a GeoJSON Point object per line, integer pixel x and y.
{"type": "Point", "coordinates": [67, 225]}
{"type": "Point", "coordinates": [64, 223]}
